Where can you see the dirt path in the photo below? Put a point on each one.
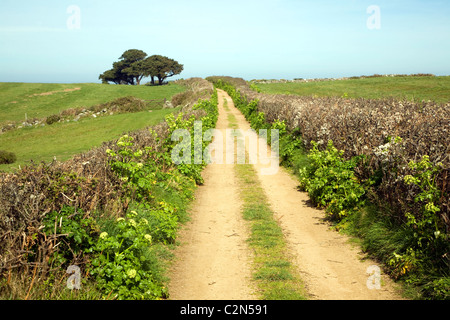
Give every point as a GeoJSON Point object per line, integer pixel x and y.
{"type": "Point", "coordinates": [213, 261]}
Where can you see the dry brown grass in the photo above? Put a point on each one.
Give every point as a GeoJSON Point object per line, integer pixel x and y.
{"type": "Point", "coordinates": [197, 89]}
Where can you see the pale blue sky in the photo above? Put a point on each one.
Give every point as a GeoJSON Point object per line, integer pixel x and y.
{"type": "Point", "coordinates": [252, 39]}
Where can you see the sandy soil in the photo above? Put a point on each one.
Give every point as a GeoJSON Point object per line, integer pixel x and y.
{"type": "Point", "coordinates": [213, 261]}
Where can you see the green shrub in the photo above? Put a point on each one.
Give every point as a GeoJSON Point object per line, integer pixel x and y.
{"type": "Point", "coordinates": [426, 252]}
{"type": "Point", "coordinates": [429, 230]}
{"type": "Point", "coordinates": [7, 157]}
{"type": "Point", "coordinates": [75, 231]}
{"type": "Point", "coordinates": [254, 87]}
{"type": "Point", "coordinates": [121, 265]}
{"type": "Point", "coordinates": [330, 181]}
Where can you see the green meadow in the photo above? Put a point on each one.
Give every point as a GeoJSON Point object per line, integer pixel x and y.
{"type": "Point", "coordinates": [408, 87]}
{"type": "Point", "coordinates": [35, 100]}
{"type": "Point", "coordinates": [65, 139]}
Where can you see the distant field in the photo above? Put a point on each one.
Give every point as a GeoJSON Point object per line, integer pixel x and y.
{"type": "Point", "coordinates": [39, 100]}
{"type": "Point", "coordinates": [63, 140]}
{"type": "Point", "coordinates": [410, 88]}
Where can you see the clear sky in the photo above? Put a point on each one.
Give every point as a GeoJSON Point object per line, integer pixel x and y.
{"type": "Point", "coordinates": [76, 40]}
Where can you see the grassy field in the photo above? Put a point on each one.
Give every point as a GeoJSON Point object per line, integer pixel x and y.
{"type": "Point", "coordinates": [63, 140]}
{"type": "Point", "coordinates": [35, 100]}
{"type": "Point", "coordinates": [410, 88]}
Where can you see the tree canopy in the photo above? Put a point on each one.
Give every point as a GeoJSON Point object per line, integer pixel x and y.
{"type": "Point", "coordinates": [134, 65]}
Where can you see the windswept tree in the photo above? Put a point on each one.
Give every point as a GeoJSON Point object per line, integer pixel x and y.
{"type": "Point", "coordinates": [162, 67]}
{"type": "Point", "coordinates": [134, 65]}
{"type": "Point", "coordinates": [110, 76]}
{"type": "Point", "coordinates": [133, 55]}
{"type": "Point", "coordinates": [128, 70]}
{"type": "Point", "coordinates": [117, 74]}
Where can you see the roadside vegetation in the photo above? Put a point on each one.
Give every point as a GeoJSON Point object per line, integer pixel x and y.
{"type": "Point", "coordinates": [378, 168]}
{"type": "Point", "coordinates": [99, 225]}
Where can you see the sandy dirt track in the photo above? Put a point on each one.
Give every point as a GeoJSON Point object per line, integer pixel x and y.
{"type": "Point", "coordinates": [213, 261]}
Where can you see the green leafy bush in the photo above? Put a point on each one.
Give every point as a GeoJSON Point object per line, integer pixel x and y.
{"type": "Point", "coordinates": [330, 181]}
{"type": "Point", "coordinates": [290, 145]}
{"type": "Point", "coordinates": [164, 223]}
{"type": "Point", "coordinates": [74, 232]}
{"type": "Point", "coordinates": [121, 265]}
{"type": "Point", "coordinates": [191, 165]}
{"type": "Point", "coordinates": [254, 87]}
{"type": "Point", "coordinates": [137, 174]}
{"type": "Point", "coordinates": [428, 227]}
{"type": "Point", "coordinates": [428, 247]}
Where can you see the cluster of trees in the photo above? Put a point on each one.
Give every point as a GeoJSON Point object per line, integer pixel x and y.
{"type": "Point", "coordinates": [134, 65]}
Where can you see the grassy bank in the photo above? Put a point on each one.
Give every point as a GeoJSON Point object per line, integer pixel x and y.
{"type": "Point", "coordinates": [39, 100]}
{"type": "Point", "coordinates": [63, 140]}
